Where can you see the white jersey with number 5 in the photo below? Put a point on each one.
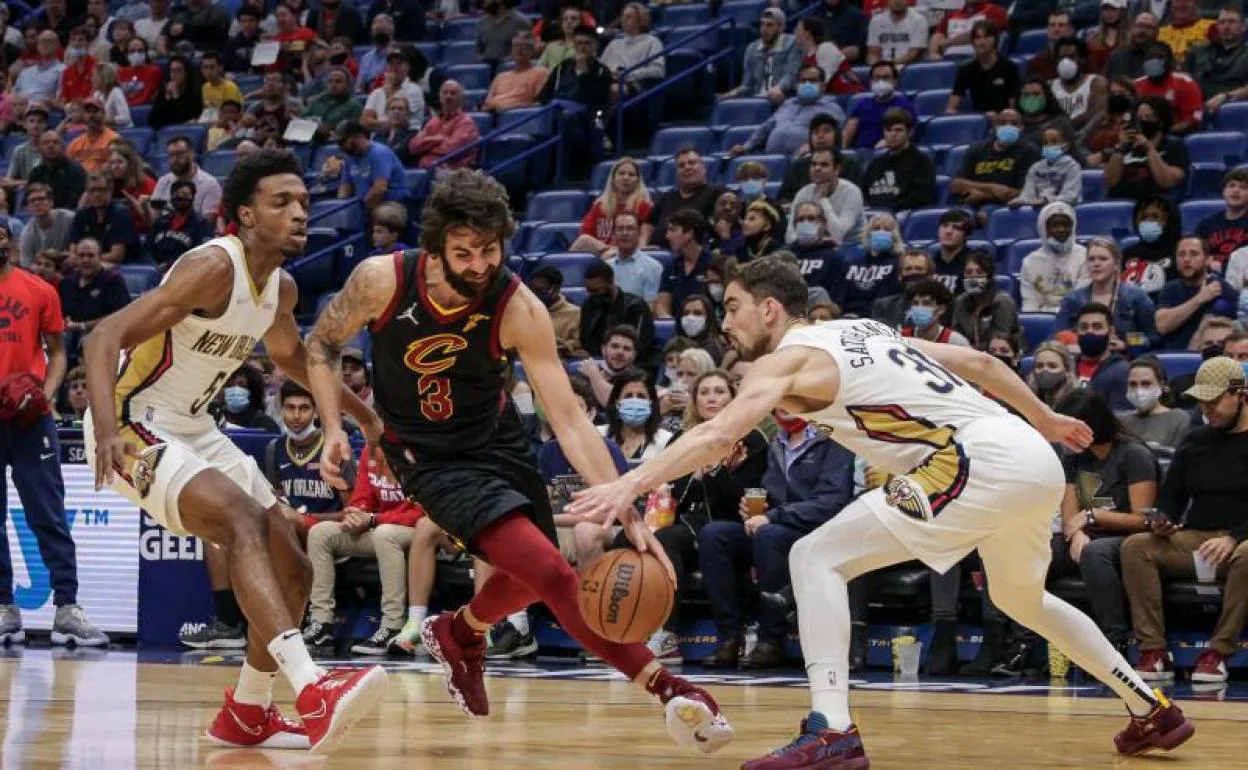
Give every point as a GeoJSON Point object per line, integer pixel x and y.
{"type": "Point", "coordinates": [170, 379]}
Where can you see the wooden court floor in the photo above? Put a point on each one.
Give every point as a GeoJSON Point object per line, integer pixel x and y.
{"type": "Point", "coordinates": [113, 713]}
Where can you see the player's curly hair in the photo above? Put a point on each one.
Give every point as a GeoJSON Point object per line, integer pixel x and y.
{"type": "Point", "coordinates": [240, 186]}
{"type": "Point", "coordinates": [465, 198]}
{"type": "Point", "coordinates": [776, 279]}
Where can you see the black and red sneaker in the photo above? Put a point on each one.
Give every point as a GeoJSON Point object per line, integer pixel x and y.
{"type": "Point", "coordinates": [816, 747]}
{"type": "Point", "coordinates": [1164, 728]}
{"type": "Point", "coordinates": [244, 725]}
{"type": "Point", "coordinates": [464, 666]}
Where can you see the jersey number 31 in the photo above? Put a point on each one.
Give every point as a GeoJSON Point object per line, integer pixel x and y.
{"type": "Point", "coordinates": [939, 378]}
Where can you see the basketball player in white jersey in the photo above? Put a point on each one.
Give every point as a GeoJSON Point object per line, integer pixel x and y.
{"type": "Point", "coordinates": [150, 438]}
{"type": "Point", "coordinates": [966, 475]}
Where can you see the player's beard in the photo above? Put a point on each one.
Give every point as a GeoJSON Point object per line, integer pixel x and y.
{"type": "Point", "coordinates": [466, 288]}
{"type": "Point", "coordinates": [750, 353]}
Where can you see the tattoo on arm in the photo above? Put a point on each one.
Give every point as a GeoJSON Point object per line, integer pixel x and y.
{"type": "Point", "coordinates": [360, 301]}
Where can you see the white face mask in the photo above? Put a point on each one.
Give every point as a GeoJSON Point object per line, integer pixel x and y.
{"type": "Point", "coordinates": [693, 324]}
{"type": "Point", "coordinates": [716, 290]}
{"type": "Point", "coordinates": [1144, 399]}
{"type": "Point", "coordinates": [307, 431]}
{"type": "Point", "coordinates": [524, 403]}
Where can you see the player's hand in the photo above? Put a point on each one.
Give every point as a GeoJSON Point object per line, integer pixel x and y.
{"type": "Point", "coordinates": [644, 540]}
{"type": "Point", "coordinates": [1217, 550]}
{"type": "Point", "coordinates": [372, 434]}
{"type": "Point", "coordinates": [606, 502]}
{"type": "Point", "coordinates": [1073, 434]}
{"type": "Point", "coordinates": [111, 453]}
{"type": "Point", "coordinates": [334, 457]}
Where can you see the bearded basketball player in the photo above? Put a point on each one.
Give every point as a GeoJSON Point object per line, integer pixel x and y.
{"type": "Point", "coordinates": [444, 319]}
{"type": "Point", "coordinates": [150, 438]}
{"type": "Point", "coordinates": [966, 474]}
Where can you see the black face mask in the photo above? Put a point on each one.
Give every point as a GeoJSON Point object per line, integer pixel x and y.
{"type": "Point", "coordinates": [381, 38]}
{"type": "Point", "coordinates": [1150, 127]}
{"type": "Point", "coordinates": [340, 58]}
{"type": "Point", "coordinates": [1005, 360]}
{"type": "Point", "coordinates": [1212, 350]}
{"type": "Point", "coordinates": [1119, 103]}
{"type": "Point", "coordinates": [182, 206]}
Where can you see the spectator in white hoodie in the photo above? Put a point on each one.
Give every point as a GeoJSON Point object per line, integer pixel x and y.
{"type": "Point", "coordinates": [1057, 267]}
{"type": "Point", "coordinates": [631, 49]}
{"type": "Point", "coordinates": [1055, 177]}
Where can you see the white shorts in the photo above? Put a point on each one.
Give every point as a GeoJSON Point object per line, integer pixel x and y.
{"type": "Point", "coordinates": [168, 460]}
{"type": "Point", "coordinates": [1014, 486]}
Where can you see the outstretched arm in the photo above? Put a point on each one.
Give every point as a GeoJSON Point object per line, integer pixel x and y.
{"type": "Point", "coordinates": [997, 378]}
{"type": "Point", "coordinates": [365, 297]}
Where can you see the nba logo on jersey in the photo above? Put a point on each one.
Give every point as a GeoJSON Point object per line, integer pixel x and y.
{"type": "Point", "coordinates": [907, 496]}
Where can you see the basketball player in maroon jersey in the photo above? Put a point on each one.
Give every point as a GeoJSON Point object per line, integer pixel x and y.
{"type": "Point", "coordinates": [443, 319]}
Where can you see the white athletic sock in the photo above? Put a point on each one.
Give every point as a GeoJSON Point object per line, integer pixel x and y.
{"type": "Point", "coordinates": [292, 655]}
{"type": "Point", "coordinates": [520, 621]}
{"type": "Point", "coordinates": [255, 687]}
{"type": "Point", "coordinates": [417, 614]}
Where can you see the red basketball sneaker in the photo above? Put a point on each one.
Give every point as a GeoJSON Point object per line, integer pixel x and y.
{"type": "Point", "coordinates": [817, 747]}
{"type": "Point", "coordinates": [1164, 728]}
{"type": "Point", "coordinates": [244, 725]}
{"type": "Point", "coordinates": [692, 716]}
{"type": "Point", "coordinates": [332, 704]}
{"type": "Point", "coordinates": [464, 666]}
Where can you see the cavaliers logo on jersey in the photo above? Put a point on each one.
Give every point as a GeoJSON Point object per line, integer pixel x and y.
{"type": "Point", "coordinates": [144, 472]}
{"type": "Point", "coordinates": [907, 496]}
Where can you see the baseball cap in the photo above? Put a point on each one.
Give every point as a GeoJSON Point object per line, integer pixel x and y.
{"type": "Point", "coordinates": [1215, 377]}
{"type": "Point", "coordinates": [1119, 4]}
{"type": "Point", "coordinates": [353, 354]}
{"type": "Point", "coordinates": [775, 14]}
{"type": "Point", "coordinates": [39, 107]}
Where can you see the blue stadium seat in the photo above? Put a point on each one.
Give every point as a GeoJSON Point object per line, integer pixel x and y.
{"type": "Point", "coordinates": [922, 224]}
{"type": "Point", "coordinates": [196, 132]}
{"type": "Point", "coordinates": [952, 162]}
{"type": "Point", "coordinates": [740, 112]}
{"type": "Point", "coordinates": [520, 241]}
{"type": "Point", "coordinates": [138, 114]}
{"type": "Point", "coordinates": [1017, 251]}
{"type": "Point", "coordinates": [664, 330]}
{"type": "Point", "coordinates": [575, 294]}
{"type": "Point", "coordinates": [665, 176]}
{"type": "Point", "coordinates": [458, 30]}
{"type": "Point", "coordinates": [744, 12]}
{"type": "Point", "coordinates": [696, 38]}
{"type": "Point", "coordinates": [323, 153]}
{"type": "Point", "coordinates": [553, 237]}
{"type": "Point", "coordinates": [1005, 225]}
{"type": "Point", "coordinates": [925, 76]}
{"type": "Point", "coordinates": [501, 148]}
{"type": "Point", "coordinates": [470, 76]}
{"type": "Point", "coordinates": [669, 140]}
{"type": "Point", "coordinates": [484, 121]}
{"type": "Point", "coordinates": [1093, 185]}
{"type": "Point", "coordinates": [572, 265]}
{"type": "Point", "coordinates": [473, 98]}
{"type": "Point", "coordinates": [777, 166]}
{"type": "Point", "coordinates": [602, 172]}
{"type": "Point", "coordinates": [1216, 147]}
{"type": "Point", "coordinates": [140, 136]}
{"type": "Point", "coordinates": [218, 163]}
{"type": "Point", "coordinates": [140, 278]}
{"type": "Point", "coordinates": [521, 121]}
{"type": "Point", "coordinates": [942, 189]}
{"type": "Point", "coordinates": [1204, 180]}
{"type": "Point", "coordinates": [684, 15]}
{"type": "Point", "coordinates": [1109, 218]}
{"type": "Point", "coordinates": [320, 238]}
{"type": "Point", "coordinates": [1191, 212]}
{"type": "Point", "coordinates": [1178, 364]}
{"type": "Point", "coordinates": [1232, 116]}
{"type": "Point", "coordinates": [1037, 327]}
{"type": "Point", "coordinates": [246, 82]}
{"type": "Point", "coordinates": [855, 99]}
{"type": "Point", "coordinates": [314, 273]}
{"type": "Point", "coordinates": [558, 206]}
{"type": "Point", "coordinates": [417, 180]}
{"type": "Point", "coordinates": [952, 130]}
{"type": "Point", "coordinates": [458, 52]}
{"type": "Point", "coordinates": [931, 103]}
{"type": "Point", "coordinates": [665, 258]}
{"type": "Point", "coordinates": [1032, 41]}
{"type": "Point", "coordinates": [432, 51]}
{"type": "Point", "coordinates": [735, 135]}
{"type": "Point", "coordinates": [350, 219]}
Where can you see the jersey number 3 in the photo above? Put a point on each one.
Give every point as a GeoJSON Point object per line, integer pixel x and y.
{"type": "Point", "coordinates": [435, 398]}
{"type": "Point", "coordinates": [938, 379]}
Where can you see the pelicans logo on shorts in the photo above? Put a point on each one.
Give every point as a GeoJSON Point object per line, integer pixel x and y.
{"type": "Point", "coordinates": [144, 471]}
{"type": "Point", "coordinates": [907, 496]}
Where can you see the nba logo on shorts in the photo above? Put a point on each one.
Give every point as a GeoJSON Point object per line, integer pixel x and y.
{"type": "Point", "coordinates": [907, 496]}
{"type": "Point", "coordinates": [144, 472]}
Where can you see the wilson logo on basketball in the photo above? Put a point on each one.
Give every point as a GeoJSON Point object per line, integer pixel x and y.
{"type": "Point", "coordinates": [435, 354]}
{"type": "Point", "coordinates": [619, 592]}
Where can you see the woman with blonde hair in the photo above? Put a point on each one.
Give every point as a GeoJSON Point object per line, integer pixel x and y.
{"type": "Point", "coordinates": [1052, 376]}
{"type": "Point", "coordinates": [674, 399]}
{"type": "Point", "coordinates": [627, 52]}
{"type": "Point", "coordinates": [1132, 312]}
{"type": "Point", "coordinates": [131, 184]}
{"type": "Point", "coordinates": [626, 191]}
{"type": "Point", "coordinates": [872, 272]}
{"type": "Point", "coordinates": [104, 84]}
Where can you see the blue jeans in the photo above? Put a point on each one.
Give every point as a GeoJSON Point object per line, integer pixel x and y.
{"type": "Point", "coordinates": [34, 456]}
{"type": "Point", "coordinates": [726, 554]}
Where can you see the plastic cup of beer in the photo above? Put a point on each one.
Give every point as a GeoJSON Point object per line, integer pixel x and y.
{"type": "Point", "coordinates": [756, 501]}
{"type": "Point", "coordinates": [1206, 571]}
{"type": "Point", "coordinates": [907, 651]}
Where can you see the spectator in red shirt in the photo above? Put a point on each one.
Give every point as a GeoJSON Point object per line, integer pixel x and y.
{"type": "Point", "coordinates": [293, 37]}
{"type": "Point", "coordinates": [139, 79]}
{"type": "Point", "coordinates": [953, 35]}
{"type": "Point", "coordinates": [449, 130]}
{"type": "Point", "coordinates": [1044, 64]}
{"type": "Point", "coordinates": [79, 66]}
{"type": "Point", "coordinates": [31, 326]}
{"type": "Point", "coordinates": [626, 191]}
{"type": "Point", "coordinates": [1177, 88]}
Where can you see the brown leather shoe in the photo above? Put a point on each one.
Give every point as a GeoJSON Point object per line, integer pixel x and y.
{"type": "Point", "coordinates": [765, 655]}
{"type": "Point", "coordinates": [728, 655]}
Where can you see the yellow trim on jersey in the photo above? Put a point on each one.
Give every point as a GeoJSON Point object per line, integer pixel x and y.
{"type": "Point", "coordinates": [312, 454]}
{"type": "Point", "coordinates": [141, 365]}
{"type": "Point", "coordinates": [257, 293]}
{"type": "Point", "coordinates": [441, 309]}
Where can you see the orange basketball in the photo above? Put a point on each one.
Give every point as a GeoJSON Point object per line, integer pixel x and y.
{"type": "Point", "coordinates": [626, 596]}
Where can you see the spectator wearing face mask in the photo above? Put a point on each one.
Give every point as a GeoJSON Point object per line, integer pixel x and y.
{"type": "Point", "coordinates": [1050, 272]}
{"type": "Point", "coordinates": [983, 311]}
{"type": "Point", "coordinates": [1147, 161]}
{"type": "Point", "coordinates": [865, 125]}
{"type": "Point", "coordinates": [633, 417]}
{"type": "Point", "coordinates": [1079, 92]}
{"type": "Point", "coordinates": [243, 401]}
{"type": "Point", "coordinates": [787, 129]}
{"type": "Point", "coordinates": [821, 264]}
{"type": "Point", "coordinates": [608, 306]}
{"type": "Point", "coordinates": [1176, 88]}
{"type": "Point", "coordinates": [79, 66]}
{"type": "Point", "coordinates": [1155, 423]}
{"type": "Point", "coordinates": [927, 301]}
{"type": "Point", "coordinates": [179, 229]}
{"type": "Point", "coordinates": [1052, 375]}
{"type": "Point", "coordinates": [872, 273]}
{"type": "Point", "coordinates": [1149, 262]}
{"type": "Point", "coordinates": [547, 282]}
{"type": "Point", "coordinates": [1055, 177]}
{"type": "Point", "coordinates": [913, 266]}
{"type": "Point", "coordinates": [1104, 131]}
{"type": "Point", "coordinates": [699, 324]}
{"type": "Point", "coordinates": [1098, 367]}
{"type": "Point", "coordinates": [993, 171]}
{"type": "Point", "coordinates": [840, 200]}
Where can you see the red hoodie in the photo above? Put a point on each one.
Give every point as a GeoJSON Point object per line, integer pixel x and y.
{"type": "Point", "coordinates": [376, 493]}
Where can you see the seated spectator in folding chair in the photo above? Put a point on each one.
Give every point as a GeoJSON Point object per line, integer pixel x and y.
{"type": "Point", "coordinates": [625, 192]}
{"type": "Point", "coordinates": [1200, 513]}
{"type": "Point", "coordinates": [1159, 426]}
{"type": "Point", "coordinates": [809, 479]}
{"type": "Point", "coordinates": [787, 129]}
{"type": "Point", "coordinates": [389, 225]}
{"type": "Point", "coordinates": [179, 229]}
{"type": "Point", "coordinates": [994, 171]}
{"type": "Point", "coordinates": [1227, 230]}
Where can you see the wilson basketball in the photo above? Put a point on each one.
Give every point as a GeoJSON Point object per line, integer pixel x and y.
{"type": "Point", "coordinates": [626, 596]}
